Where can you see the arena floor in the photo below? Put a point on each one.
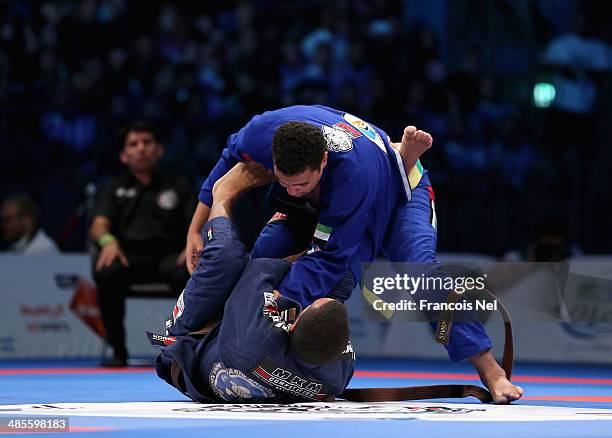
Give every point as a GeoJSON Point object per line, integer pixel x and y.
{"type": "Point", "coordinates": [561, 401]}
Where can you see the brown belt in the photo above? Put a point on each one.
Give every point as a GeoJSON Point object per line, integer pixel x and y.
{"type": "Point", "coordinates": [441, 391]}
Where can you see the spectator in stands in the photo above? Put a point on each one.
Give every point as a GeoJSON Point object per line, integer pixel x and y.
{"type": "Point", "coordinates": [139, 222]}
{"type": "Point", "coordinates": [19, 215]}
{"type": "Point", "coordinates": [550, 244]}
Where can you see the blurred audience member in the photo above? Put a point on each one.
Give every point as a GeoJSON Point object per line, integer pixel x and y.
{"type": "Point", "coordinates": [549, 245]}
{"type": "Point", "coordinates": [20, 227]}
{"type": "Point", "coordinates": [139, 223]}
{"type": "Point", "coordinates": [204, 68]}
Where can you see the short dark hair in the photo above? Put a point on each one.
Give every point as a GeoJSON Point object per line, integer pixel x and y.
{"type": "Point", "coordinates": [297, 146]}
{"type": "Point", "coordinates": [25, 203]}
{"type": "Point", "coordinates": [322, 333]}
{"type": "Point", "coordinates": [138, 126]}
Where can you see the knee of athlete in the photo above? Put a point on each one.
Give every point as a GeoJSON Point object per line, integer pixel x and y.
{"type": "Point", "coordinates": [232, 256]}
{"type": "Point", "coordinates": [275, 241]}
{"type": "Point", "coordinates": [321, 332]}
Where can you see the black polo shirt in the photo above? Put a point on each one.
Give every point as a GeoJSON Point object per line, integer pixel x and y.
{"type": "Point", "coordinates": [150, 219]}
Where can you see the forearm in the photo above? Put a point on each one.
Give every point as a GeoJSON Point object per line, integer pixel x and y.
{"type": "Point", "coordinates": [200, 217]}
{"type": "Point", "coordinates": [312, 277]}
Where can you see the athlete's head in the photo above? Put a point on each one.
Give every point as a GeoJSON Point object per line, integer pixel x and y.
{"type": "Point", "coordinates": [321, 332]}
{"type": "Point", "coordinates": [300, 155]}
{"type": "Point", "coordinates": [141, 146]}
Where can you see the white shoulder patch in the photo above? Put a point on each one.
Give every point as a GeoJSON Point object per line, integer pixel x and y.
{"type": "Point", "coordinates": [337, 140]}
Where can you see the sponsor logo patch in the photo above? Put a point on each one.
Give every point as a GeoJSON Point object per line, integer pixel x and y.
{"type": "Point", "coordinates": [179, 307]}
{"type": "Point", "coordinates": [287, 381]}
{"type": "Point", "coordinates": [160, 340]}
{"type": "Point", "coordinates": [367, 130]}
{"type": "Point", "coordinates": [233, 385]}
{"type": "Point", "coordinates": [270, 309]}
{"type": "Point", "coordinates": [352, 132]}
{"type": "Point", "coordinates": [337, 139]}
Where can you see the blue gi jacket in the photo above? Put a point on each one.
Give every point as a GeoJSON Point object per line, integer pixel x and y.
{"type": "Point", "coordinates": [361, 185]}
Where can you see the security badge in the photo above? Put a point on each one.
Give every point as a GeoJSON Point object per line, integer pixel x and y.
{"type": "Point", "coordinates": [167, 199]}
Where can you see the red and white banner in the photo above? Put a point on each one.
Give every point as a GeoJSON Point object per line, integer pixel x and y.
{"type": "Point", "coordinates": [49, 310]}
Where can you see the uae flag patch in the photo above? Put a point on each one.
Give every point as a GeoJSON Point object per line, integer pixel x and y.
{"type": "Point", "coordinates": [322, 233]}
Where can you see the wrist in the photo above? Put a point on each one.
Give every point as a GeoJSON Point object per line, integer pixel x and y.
{"type": "Point", "coordinates": [106, 239]}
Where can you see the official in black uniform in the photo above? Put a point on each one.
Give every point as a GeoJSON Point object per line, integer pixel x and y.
{"type": "Point", "coordinates": [140, 220]}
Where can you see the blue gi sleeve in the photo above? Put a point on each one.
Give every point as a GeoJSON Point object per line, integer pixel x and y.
{"type": "Point", "coordinates": [252, 143]}
{"type": "Point", "coordinates": [340, 232]}
{"type": "Point", "coordinates": [229, 157]}
{"type": "Point", "coordinates": [210, 285]}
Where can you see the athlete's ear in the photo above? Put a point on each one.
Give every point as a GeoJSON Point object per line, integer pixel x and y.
{"type": "Point", "coordinates": [324, 162]}
{"type": "Point", "coordinates": [297, 320]}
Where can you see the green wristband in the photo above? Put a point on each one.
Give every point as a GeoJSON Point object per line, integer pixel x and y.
{"type": "Point", "coordinates": [105, 239]}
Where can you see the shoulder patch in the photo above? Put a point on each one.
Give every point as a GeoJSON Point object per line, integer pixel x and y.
{"type": "Point", "coordinates": [337, 139]}
{"type": "Point", "coordinates": [366, 129]}
{"type": "Point", "coordinates": [233, 385]}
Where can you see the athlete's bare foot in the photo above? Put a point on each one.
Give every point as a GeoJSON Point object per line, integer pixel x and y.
{"type": "Point", "coordinates": [414, 144]}
{"type": "Point", "coordinates": [239, 179]}
{"type": "Point", "coordinates": [502, 390]}
{"type": "Point", "coordinates": [494, 378]}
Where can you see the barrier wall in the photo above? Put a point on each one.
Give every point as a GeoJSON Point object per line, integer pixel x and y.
{"type": "Point", "coordinates": [538, 338]}
{"type": "Point", "coordinates": [49, 310]}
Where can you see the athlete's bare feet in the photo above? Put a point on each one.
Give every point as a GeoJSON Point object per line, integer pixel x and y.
{"type": "Point", "coordinates": [414, 144]}
{"type": "Point", "coordinates": [494, 378]}
{"type": "Point", "coordinates": [239, 179]}
{"type": "Point", "coordinates": [502, 390]}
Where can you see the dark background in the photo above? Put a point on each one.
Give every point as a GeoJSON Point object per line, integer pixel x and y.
{"type": "Point", "coordinates": [504, 170]}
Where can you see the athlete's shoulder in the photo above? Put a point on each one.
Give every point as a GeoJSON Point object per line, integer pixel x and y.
{"type": "Point", "coordinates": [317, 114]}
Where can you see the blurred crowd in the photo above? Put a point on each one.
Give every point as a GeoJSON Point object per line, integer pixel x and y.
{"type": "Point", "coordinates": [72, 72]}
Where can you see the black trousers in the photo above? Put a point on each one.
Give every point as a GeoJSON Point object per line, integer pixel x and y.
{"type": "Point", "coordinates": [114, 281]}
